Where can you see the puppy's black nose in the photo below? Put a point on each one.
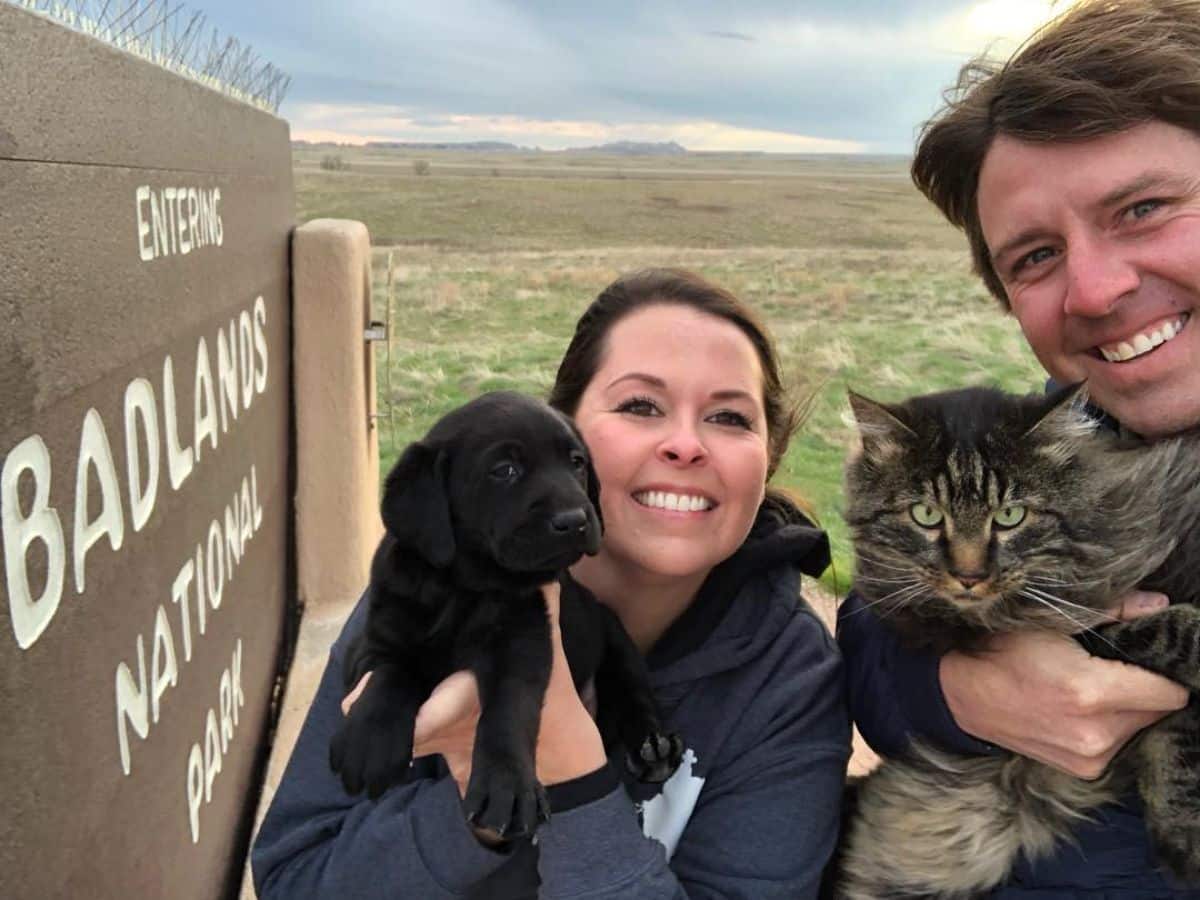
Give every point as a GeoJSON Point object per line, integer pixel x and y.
{"type": "Point", "coordinates": [569, 520]}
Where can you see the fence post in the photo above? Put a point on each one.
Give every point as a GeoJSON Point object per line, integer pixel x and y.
{"type": "Point", "coordinates": [337, 523]}
{"type": "Point", "coordinates": [337, 442]}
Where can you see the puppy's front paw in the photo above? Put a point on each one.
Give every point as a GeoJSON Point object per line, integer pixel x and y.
{"type": "Point", "coordinates": [503, 798]}
{"type": "Point", "coordinates": [657, 758]}
{"type": "Point", "coordinates": [373, 748]}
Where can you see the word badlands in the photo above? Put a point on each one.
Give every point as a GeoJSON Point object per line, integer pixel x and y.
{"type": "Point", "coordinates": [241, 375]}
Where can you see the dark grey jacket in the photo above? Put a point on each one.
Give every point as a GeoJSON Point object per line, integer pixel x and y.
{"type": "Point", "coordinates": [748, 676]}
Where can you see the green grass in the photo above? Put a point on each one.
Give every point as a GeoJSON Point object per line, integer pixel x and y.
{"type": "Point", "coordinates": [863, 285]}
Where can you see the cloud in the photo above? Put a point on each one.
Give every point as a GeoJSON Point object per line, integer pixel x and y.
{"type": "Point", "coordinates": [860, 72]}
{"type": "Point", "coordinates": [347, 124]}
{"type": "Point", "coordinates": [732, 36]}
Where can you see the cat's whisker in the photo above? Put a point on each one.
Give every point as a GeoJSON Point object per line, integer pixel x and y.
{"type": "Point", "coordinates": [900, 597]}
{"type": "Point", "coordinates": [872, 579]}
{"type": "Point", "coordinates": [883, 563]}
{"type": "Point", "coordinates": [1061, 583]}
{"type": "Point", "coordinates": [1062, 600]}
{"type": "Point", "coordinates": [1080, 625]}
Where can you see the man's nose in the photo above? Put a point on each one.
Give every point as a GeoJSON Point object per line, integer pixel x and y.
{"type": "Point", "coordinates": [1099, 274]}
{"type": "Point", "coordinates": [682, 446]}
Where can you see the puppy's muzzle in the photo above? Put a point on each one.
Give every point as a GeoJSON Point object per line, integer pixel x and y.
{"type": "Point", "coordinates": [569, 520]}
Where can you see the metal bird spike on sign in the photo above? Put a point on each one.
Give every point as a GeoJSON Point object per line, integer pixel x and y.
{"type": "Point", "coordinates": [169, 36]}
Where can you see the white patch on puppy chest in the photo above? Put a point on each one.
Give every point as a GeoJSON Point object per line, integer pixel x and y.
{"type": "Point", "coordinates": [664, 817]}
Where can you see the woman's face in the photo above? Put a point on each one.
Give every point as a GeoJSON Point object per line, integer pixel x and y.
{"type": "Point", "coordinates": [675, 423]}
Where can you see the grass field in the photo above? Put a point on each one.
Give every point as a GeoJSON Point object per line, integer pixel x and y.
{"type": "Point", "coordinates": [493, 257]}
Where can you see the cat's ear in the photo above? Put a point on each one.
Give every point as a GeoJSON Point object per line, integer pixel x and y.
{"type": "Point", "coordinates": [1062, 423]}
{"type": "Point", "coordinates": [881, 431]}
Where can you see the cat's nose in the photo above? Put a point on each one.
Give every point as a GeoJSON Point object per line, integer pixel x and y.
{"type": "Point", "coordinates": [969, 579]}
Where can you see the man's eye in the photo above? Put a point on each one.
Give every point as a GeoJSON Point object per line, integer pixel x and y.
{"type": "Point", "coordinates": [731, 417]}
{"type": "Point", "coordinates": [638, 406]}
{"type": "Point", "coordinates": [1142, 208]}
{"type": "Point", "coordinates": [1033, 258]}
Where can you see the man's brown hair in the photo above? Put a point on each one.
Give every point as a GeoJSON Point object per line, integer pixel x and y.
{"type": "Point", "coordinates": [1102, 67]}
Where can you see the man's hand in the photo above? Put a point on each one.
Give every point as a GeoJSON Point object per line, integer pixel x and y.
{"type": "Point", "coordinates": [1043, 696]}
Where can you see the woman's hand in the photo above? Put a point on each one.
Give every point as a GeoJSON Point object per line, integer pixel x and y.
{"type": "Point", "coordinates": [568, 746]}
{"type": "Point", "coordinates": [1043, 696]}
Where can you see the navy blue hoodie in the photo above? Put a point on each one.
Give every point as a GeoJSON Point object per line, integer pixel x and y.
{"type": "Point", "coordinates": [748, 676]}
{"type": "Point", "coordinates": [895, 693]}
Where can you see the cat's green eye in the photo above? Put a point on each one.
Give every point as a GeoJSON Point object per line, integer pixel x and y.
{"type": "Point", "coordinates": [1009, 516]}
{"type": "Point", "coordinates": [925, 515]}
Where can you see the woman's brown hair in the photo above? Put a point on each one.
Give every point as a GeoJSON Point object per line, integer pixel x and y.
{"type": "Point", "coordinates": [651, 287]}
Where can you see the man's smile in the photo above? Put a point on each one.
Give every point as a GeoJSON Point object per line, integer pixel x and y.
{"type": "Point", "coordinates": [1145, 340]}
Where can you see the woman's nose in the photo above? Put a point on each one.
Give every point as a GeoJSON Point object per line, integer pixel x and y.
{"type": "Point", "coordinates": [1098, 276]}
{"type": "Point", "coordinates": [682, 446]}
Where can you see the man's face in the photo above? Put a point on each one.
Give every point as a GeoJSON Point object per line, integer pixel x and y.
{"type": "Point", "coordinates": [1097, 243]}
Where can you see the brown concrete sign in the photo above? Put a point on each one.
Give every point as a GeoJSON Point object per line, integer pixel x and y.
{"type": "Point", "coordinates": [144, 486]}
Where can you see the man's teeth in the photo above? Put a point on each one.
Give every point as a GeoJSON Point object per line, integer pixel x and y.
{"type": "Point", "coordinates": [677, 502]}
{"type": "Point", "coordinates": [1142, 343]}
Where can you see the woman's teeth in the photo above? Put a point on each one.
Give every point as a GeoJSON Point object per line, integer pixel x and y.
{"type": "Point", "coordinates": [677, 502]}
{"type": "Point", "coordinates": [1143, 343]}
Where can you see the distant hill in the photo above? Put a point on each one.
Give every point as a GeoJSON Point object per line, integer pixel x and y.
{"type": "Point", "coordinates": [635, 148]}
{"type": "Point", "coordinates": [615, 148]}
{"type": "Point", "coordinates": [471, 146]}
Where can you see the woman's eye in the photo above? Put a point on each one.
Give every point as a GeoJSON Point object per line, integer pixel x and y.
{"type": "Point", "coordinates": [1009, 516]}
{"type": "Point", "coordinates": [926, 515]}
{"type": "Point", "coordinates": [731, 417]}
{"type": "Point", "coordinates": [638, 406]}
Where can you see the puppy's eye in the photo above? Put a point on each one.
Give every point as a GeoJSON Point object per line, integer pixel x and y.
{"type": "Point", "coordinates": [579, 461]}
{"type": "Point", "coordinates": [505, 471]}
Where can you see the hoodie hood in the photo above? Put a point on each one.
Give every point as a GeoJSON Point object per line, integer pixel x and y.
{"type": "Point", "coordinates": [746, 600]}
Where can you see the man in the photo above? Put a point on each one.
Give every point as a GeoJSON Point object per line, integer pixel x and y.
{"type": "Point", "coordinates": [1074, 170]}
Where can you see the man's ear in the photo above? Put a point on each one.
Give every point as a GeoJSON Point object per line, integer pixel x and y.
{"type": "Point", "coordinates": [416, 504]}
{"type": "Point", "coordinates": [881, 431]}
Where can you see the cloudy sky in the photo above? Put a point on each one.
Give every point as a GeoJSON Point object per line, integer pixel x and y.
{"type": "Point", "coordinates": [806, 75]}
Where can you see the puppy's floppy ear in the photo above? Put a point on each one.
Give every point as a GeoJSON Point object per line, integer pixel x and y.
{"type": "Point", "coordinates": [593, 491]}
{"type": "Point", "coordinates": [593, 483]}
{"type": "Point", "coordinates": [416, 505]}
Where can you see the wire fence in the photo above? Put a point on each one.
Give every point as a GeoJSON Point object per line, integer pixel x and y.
{"type": "Point", "coordinates": [169, 36]}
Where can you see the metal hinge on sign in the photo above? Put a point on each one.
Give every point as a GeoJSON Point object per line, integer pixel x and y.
{"type": "Point", "coordinates": [375, 331]}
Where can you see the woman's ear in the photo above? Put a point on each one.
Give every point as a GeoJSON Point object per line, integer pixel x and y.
{"type": "Point", "coordinates": [416, 504]}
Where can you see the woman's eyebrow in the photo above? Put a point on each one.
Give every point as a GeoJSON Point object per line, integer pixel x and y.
{"type": "Point", "coordinates": [656, 382]}
{"type": "Point", "coordinates": [734, 394]}
{"type": "Point", "coordinates": [652, 380]}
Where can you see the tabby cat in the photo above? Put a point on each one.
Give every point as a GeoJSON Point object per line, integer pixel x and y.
{"type": "Point", "coordinates": [975, 512]}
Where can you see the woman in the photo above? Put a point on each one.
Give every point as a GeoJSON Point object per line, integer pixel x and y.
{"type": "Point", "coordinates": [676, 390]}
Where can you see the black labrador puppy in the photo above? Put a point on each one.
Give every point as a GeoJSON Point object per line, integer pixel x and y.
{"type": "Point", "coordinates": [498, 499]}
